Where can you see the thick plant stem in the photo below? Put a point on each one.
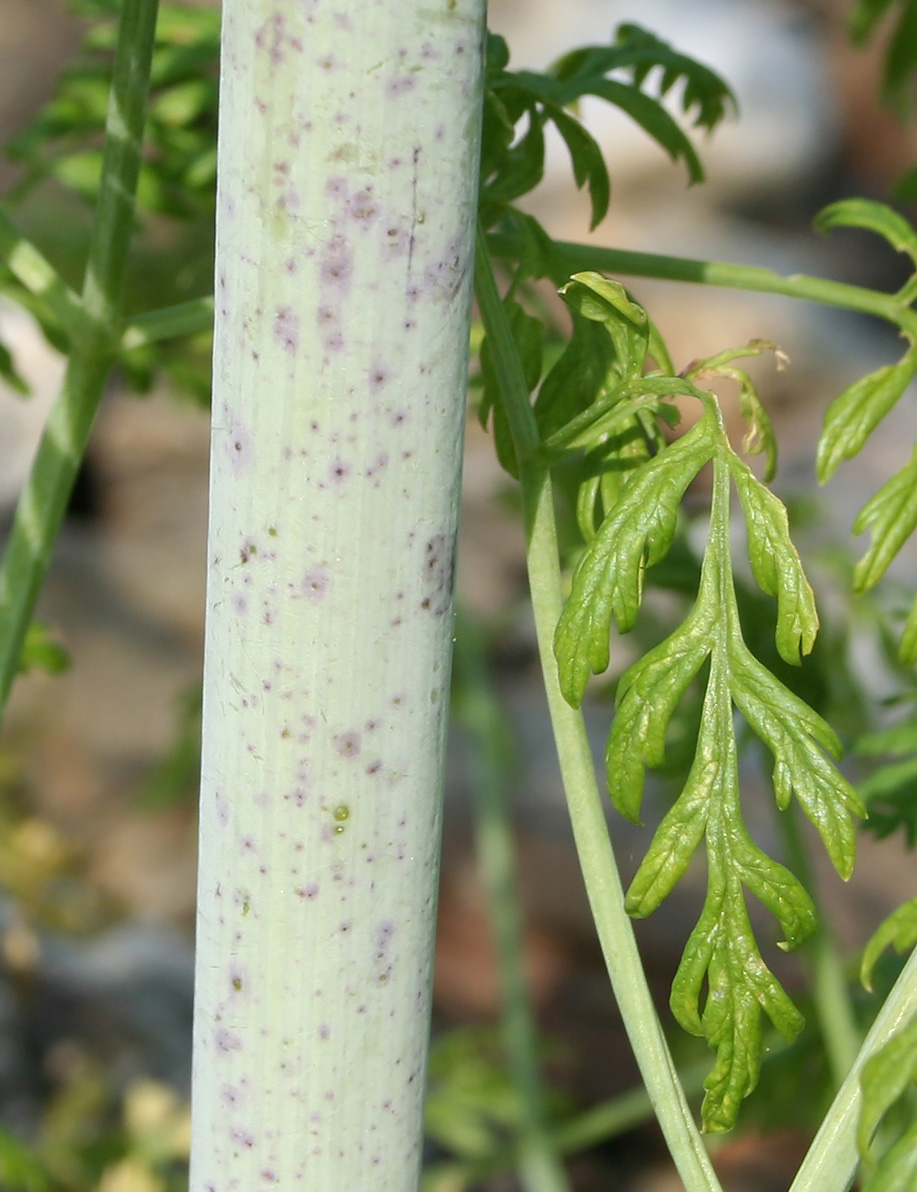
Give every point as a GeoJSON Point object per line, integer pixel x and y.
{"type": "Point", "coordinates": [95, 331]}
{"type": "Point", "coordinates": [477, 708]}
{"type": "Point", "coordinates": [590, 830]}
{"type": "Point", "coordinates": [345, 225]}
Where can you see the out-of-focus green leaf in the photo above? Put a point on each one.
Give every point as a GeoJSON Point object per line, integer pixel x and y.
{"type": "Point", "coordinates": [900, 58]}
{"type": "Point", "coordinates": [853, 416]}
{"type": "Point", "coordinates": [898, 930]}
{"type": "Point", "coordinates": [885, 1078]}
{"type": "Point", "coordinates": [891, 516]}
{"type": "Point", "coordinates": [873, 217]}
{"type": "Point", "coordinates": [41, 652]}
{"type": "Point", "coordinates": [527, 332]}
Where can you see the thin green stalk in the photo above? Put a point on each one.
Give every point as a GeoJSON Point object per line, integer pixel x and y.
{"type": "Point", "coordinates": [476, 706]}
{"type": "Point", "coordinates": [591, 1128]}
{"type": "Point", "coordinates": [44, 500]}
{"type": "Point", "coordinates": [833, 1006]}
{"type": "Point", "coordinates": [831, 1162]}
{"type": "Point", "coordinates": [39, 277]}
{"type": "Point", "coordinates": [614, 1117]}
{"type": "Point", "coordinates": [185, 318]}
{"type": "Point", "coordinates": [590, 830]}
{"type": "Point", "coordinates": [574, 257]}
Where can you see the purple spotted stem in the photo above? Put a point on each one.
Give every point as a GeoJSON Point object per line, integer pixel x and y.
{"type": "Point", "coordinates": [345, 228]}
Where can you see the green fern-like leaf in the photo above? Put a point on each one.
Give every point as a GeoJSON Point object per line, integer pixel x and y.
{"type": "Point", "coordinates": [723, 988]}
{"type": "Point", "coordinates": [609, 579]}
{"type": "Point", "coordinates": [898, 931]}
{"type": "Point", "coordinates": [900, 59]}
{"type": "Point", "coordinates": [891, 516]}
{"type": "Point", "coordinates": [512, 163]}
{"type": "Point", "coordinates": [854, 415]}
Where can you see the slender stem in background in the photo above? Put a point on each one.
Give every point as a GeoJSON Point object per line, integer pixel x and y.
{"type": "Point", "coordinates": [185, 318]}
{"type": "Point", "coordinates": [830, 988]}
{"type": "Point", "coordinates": [593, 1127]}
{"type": "Point", "coordinates": [831, 1162]}
{"type": "Point", "coordinates": [39, 277]}
{"type": "Point", "coordinates": [573, 257]}
{"type": "Point", "coordinates": [476, 707]}
{"type": "Point", "coordinates": [590, 829]}
{"type": "Point", "coordinates": [44, 499]}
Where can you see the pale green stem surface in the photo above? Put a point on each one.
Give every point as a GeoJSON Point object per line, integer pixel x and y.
{"type": "Point", "coordinates": [590, 829]}
{"type": "Point", "coordinates": [345, 225]}
{"type": "Point", "coordinates": [44, 499]}
{"type": "Point", "coordinates": [831, 1162]}
{"type": "Point", "coordinates": [477, 708]}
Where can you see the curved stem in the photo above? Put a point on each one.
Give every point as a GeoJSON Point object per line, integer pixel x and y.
{"type": "Point", "coordinates": [590, 830]}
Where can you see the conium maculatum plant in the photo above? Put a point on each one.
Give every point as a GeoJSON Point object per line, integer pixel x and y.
{"type": "Point", "coordinates": [347, 200]}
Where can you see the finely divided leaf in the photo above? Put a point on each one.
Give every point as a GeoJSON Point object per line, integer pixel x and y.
{"type": "Point", "coordinates": [621, 403]}
{"type": "Point", "coordinates": [648, 694]}
{"type": "Point", "coordinates": [705, 94]}
{"type": "Point", "coordinates": [885, 1078]}
{"type": "Point", "coordinates": [713, 780]}
{"type": "Point", "coordinates": [521, 166]}
{"type": "Point", "coordinates": [675, 841]}
{"type": "Point", "coordinates": [722, 951]}
{"type": "Point", "coordinates": [703, 88]}
{"type": "Point", "coordinates": [873, 216]}
{"type": "Point", "coordinates": [609, 579]}
{"type": "Point", "coordinates": [863, 18]}
{"type": "Point", "coordinates": [776, 564]}
{"type": "Point", "coordinates": [899, 931]}
{"type": "Point", "coordinates": [527, 333]}
{"type": "Point", "coordinates": [10, 375]}
{"type": "Point", "coordinates": [900, 60]}
{"type": "Point", "coordinates": [578, 378]}
{"type": "Point", "coordinates": [773, 884]}
{"type": "Point", "coordinates": [595, 297]}
{"type": "Point", "coordinates": [759, 438]}
{"type": "Point", "coordinates": [653, 119]}
{"type": "Point", "coordinates": [796, 736]}
{"type": "Point", "coordinates": [907, 651]}
{"type": "Point", "coordinates": [897, 1169]}
{"type": "Point", "coordinates": [854, 414]}
{"type": "Point", "coordinates": [891, 515]}
{"type": "Point", "coordinates": [588, 162]}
